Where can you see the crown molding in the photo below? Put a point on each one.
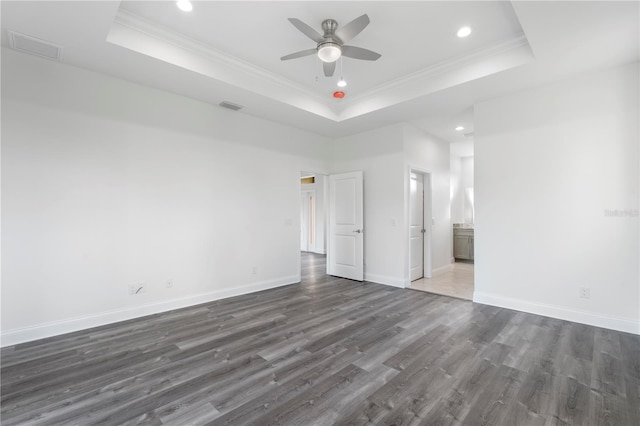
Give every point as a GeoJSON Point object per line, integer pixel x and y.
{"type": "Point", "coordinates": [271, 84]}
{"type": "Point", "coordinates": [459, 70]}
{"type": "Point", "coordinates": [136, 33]}
{"type": "Point", "coordinates": [449, 65]}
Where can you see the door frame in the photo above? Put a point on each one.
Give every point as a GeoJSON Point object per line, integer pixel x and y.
{"type": "Point", "coordinates": [314, 171]}
{"type": "Point", "coordinates": [427, 209]}
{"type": "Point", "coordinates": [305, 219]}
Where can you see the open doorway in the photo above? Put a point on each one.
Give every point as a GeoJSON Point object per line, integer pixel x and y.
{"type": "Point", "coordinates": [457, 279]}
{"type": "Point", "coordinates": [313, 212]}
{"type": "Point", "coordinates": [419, 225]}
{"type": "Point", "coordinates": [313, 223]}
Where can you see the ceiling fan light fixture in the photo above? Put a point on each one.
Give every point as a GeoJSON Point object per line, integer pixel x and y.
{"type": "Point", "coordinates": [184, 5]}
{"type": "Point", "coordinates": [329, 52]}
{"type": "Point", "coordinates": [463, 32]}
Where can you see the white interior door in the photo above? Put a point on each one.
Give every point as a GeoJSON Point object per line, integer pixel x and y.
{"type": "Point", "coordinates": [346, 249]}
{"type": "Point", "coordinates": [416, 226]}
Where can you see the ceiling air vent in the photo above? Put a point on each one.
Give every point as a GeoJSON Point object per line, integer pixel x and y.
{"type": "Point", "coordinates": [468, 135]}
{"type": "Point", "coordinates": [34, 46]}
{"type": "Point", "coordinates": [230, 105]}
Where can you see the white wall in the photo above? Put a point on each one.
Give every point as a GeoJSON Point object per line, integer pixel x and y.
{"type": "Point", "coordinates": [462, 176]}
{"type": "Point", "coordinates": [456, 190]}
{"type": "Point", "coordinates": [549, 163]}
{"type": "Point", "coordinates": [379, 154]}
{"type": "Point", "coordinates": [428, 153]}
{"type": "Point", "coordinates": [467, 184]}
{"type": "Point", "coordinates": [107, 183]}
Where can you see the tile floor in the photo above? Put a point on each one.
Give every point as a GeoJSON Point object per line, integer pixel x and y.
{"type": "Point", "coordinates": [458, 282]}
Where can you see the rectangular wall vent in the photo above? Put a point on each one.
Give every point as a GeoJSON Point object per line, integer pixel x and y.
{"type": "Point", "coordinates": [34, 46]}
{"type": "Point", "coordinates": [468, 135]}
{"type": "Point", "coordinates": [230, 105]}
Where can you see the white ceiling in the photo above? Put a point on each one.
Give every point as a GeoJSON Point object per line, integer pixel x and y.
{"type": "Point", "coordinates": [426, 75]}
{"type": "Point", "coordinates": [260, 34]}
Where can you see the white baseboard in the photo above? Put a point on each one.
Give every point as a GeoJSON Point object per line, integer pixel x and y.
{"type": "Point", "coordinates": [442, 269]}
{"type": "Point", "coordinates": [14, 337]}
{"type": "Point", "coordinates": [589, 318]}
{"type": "Point", "coordinates": [382, 279]}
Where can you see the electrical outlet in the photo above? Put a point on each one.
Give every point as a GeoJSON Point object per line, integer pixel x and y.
{"type": "Point", "coordinates": [585, 293]}
{"type": "Point", "coordinates": [254, 270]}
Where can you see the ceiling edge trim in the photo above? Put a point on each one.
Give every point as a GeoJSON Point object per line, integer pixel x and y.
{"type": "Point", "coordinates": [469, 68]}
{"type": "Point", "coordinates": [126, 24]}
{"type": "Point", "coordinates": [500, 48]}
{"type": "Point", "coordinates": [139, 24]}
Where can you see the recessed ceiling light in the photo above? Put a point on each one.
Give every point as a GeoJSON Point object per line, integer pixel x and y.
{"type": "Point", "coordinates": [464, 31]}
{"type": "Point", "coordinates": [459, 128]}
{"type": "Point", "coordinates": [184, 5]}
{"type": "Point", "coordinates": [342, 83]}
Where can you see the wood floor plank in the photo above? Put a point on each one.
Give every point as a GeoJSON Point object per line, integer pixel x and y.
{"type": "Point", "coordinates": [447, 410]}
{"type": "Point", "coordinates": [630, 346]}
{"type": "Point", "coordinates": [569, 402]}
{"type": "Point", "coordinates": [404, 357]}
{"type": "Point", "coordinates": [632, 400]}
{"type": "Point", "coordinates": [582, 341]}
{"type": "Point", "coordinates": [255, 410]}
{"type": "Point", "coordinates": [518, 413]}
{"type": "Point", "coordinates": [295, 410]}
{"type": "Point", "coordinates": [353, 395]}
{"type": "Point", "coordinates": [607, 409]}
{"type": "Point", "coordinates": [327, 351]}
{"type": "Point", "coordinates": [535, 389]}
{"type": "Point", "coordinates": [491, 406]}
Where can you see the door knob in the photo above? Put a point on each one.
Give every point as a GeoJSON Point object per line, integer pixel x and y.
{"type": "Point", "coordinates": [358, 231]}
{"type": "Point", "coordinates": [423, 230]}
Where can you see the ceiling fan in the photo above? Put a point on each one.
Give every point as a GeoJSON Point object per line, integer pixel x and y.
{"type": "Point", "coordinates": [331, 45]}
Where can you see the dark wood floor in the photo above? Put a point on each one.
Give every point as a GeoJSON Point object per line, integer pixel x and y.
{"type": "Point", "coordinates": [328, 351]}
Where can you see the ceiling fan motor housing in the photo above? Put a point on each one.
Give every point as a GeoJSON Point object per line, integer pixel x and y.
{"type": "Point", "coordinates": [329, 26]}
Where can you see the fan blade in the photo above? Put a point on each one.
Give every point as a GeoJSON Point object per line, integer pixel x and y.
{"type": "Point", "coordinates": [306, 30]}
{"type": "Point", "coordinates": [329, 68]}
{"type": "Point", "coordinates": [299, 54]}
{"type": "Point", "coordinates": [353, 28]}
{"type": "Point", "coordinates": [360, 53]}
